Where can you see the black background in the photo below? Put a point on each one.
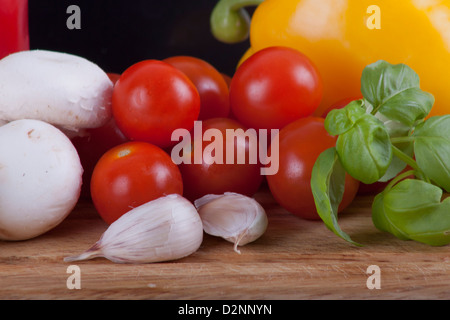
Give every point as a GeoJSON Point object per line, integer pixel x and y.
{"type": "Point", "coordinates": [116, 34]}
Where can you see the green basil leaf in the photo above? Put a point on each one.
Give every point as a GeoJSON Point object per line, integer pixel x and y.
{"type": "Point", "coordinates": [408, 106]}
{"type": "Point", "coordinates": [393, 170]}
{"type": "Point", "coordinates": [393, 127]}
{"type": "Point", "coordinates": [381, 219]}
{"type": "Point", "coordinates": [396, 129]}
{"type": "Point", "coordinates": [394, 91]}
{"type": "Point", "coordinates": [397, 165]}
{"type": "Point", "coordinates": [365, 150]}
{"type": "Point", "coordinates": [327, 184]}
{"type": "Point", "coordinates": [432, 149]}
{"type": "Point", "coordinates": [412, 210]}
{"type": "Point", "coordinates": [339, 121]}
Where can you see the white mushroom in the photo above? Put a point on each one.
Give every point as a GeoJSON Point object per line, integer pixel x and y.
{"type": "Point", "coordinates": [40, 178]}
{"type": "Point", "coordinates": [65, 90]}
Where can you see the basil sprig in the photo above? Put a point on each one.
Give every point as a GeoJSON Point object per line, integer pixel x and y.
{"type": "Point", "coordinates": [378, 136]}
{"type": "Point", "coordinates": [363, 143]}
{"type": "Point", "coordinates": [412, 210]}
{"type": "Point", "coordinates": [394, 91]}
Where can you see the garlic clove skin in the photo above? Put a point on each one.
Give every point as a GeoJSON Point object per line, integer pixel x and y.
{"type": "Point", "coordinates": [234, 217]}
{"type": "Point", "coordinates": [165, 229]}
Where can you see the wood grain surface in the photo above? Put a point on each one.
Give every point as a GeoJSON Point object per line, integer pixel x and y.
{"type": "Point", "coordinates": [294, 259]}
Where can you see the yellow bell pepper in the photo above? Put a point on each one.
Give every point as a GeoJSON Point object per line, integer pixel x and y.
{"type": "Point", "coordinates": [343, 36]}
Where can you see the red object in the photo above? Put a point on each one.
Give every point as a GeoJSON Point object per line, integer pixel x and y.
{"type": "Point", "coordinates": [151, 99]}
{"type": "Point", "coordinates": [14, 35]}
{"type": "Point", "coordinates": [92, 145]}
{"type": "Point", "coordinates": [207, 177]}
{"type": "Point", "coordinates": [211, 85]}
{"type": "Point", "coordinates": [301, 142]}
{"type": "Point", "coordinates": [130, 175]}
{"type": "Point", "coordinates": [275, 87]}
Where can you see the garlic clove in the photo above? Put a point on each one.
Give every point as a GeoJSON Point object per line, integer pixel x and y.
{"type": "Point", "coordinates": [165, 229]}
{"type": "Point", "coordinates": [234, 217]}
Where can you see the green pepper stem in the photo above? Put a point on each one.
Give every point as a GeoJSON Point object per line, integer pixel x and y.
{"type": "Point", "coordinates": [229, 23]}
{"type": "Point", "coordinates": [239, 4]}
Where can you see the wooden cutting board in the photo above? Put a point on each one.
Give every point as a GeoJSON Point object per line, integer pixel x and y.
{"type": "Point", "coordinates": [294, 259]}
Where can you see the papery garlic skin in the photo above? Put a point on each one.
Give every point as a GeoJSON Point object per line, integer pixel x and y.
{"type": "Point", "coordinates": [165, 229]}
{"type": "Point", "coordinates": [234, 217]}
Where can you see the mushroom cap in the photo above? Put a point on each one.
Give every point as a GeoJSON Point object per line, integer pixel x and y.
{"type": "Point", "coordinates": [65, 90]}
{"type": "Point", "coordinates": [40, 175]}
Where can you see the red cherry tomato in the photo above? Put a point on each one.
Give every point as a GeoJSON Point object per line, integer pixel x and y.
{"type": "Point", "coordinates": [274, 87]}
{"type": "Point", "coordinates": [227, 79]}
{"type": "Point", "coordinates": [130, 175]}
{"type": "Point", "coordinates": [370, 189]}
{"type": "Point", "coordinates": [300, 143]}
{"type": "Point", "coordinates": [207, 177]}
{"type": "Point", "coordinates": [113, 77]}
{"type": "Point", "coordinates": [212, 87]}
{"type": "Point", "coordinates": [151, 99]}
{"type": "Point", "coordinates": [92, 145]}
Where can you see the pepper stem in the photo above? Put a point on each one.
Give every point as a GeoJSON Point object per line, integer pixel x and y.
{"type": "Point", "coordinates": [230, 22]}
{"type": "Point", "coordinates": [238, 4]}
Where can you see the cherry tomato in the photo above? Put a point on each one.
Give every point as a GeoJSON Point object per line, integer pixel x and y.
{"type": "Point", "coordinates": [370, 189]}
{"type": "Point", "coordinates": [300, 143]}
{"type": "Point", "coordinates": [92, 145]}
{"type": "Point", "coordinates": [212, 87]}
{"type": "Point", "coordinates": [113, 77]}
{"type": "Point", "coordinates": [151, 99]}
{"type": "Point", "coordinates": [130, 175]}
{"type": "Point", "coordinates": [227, 79]}
{"type": "Point", "coordinates": [274, 87]}
{"type": "Point", "coordinates": [210, 177]}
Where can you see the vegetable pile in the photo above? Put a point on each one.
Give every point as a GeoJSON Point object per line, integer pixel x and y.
{"type": "Point", "coordinates": [174, 148]}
